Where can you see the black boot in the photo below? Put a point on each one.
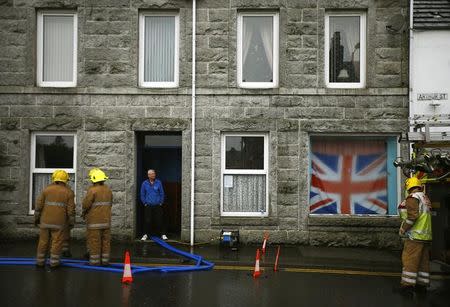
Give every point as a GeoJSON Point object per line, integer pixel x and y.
{"type": "Point", "coordinates": [421, 289]}
{"type": "Point", "coordinates": [405, 291]}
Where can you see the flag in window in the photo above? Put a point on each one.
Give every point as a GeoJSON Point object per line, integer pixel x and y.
{"type": "Point", "coordinates": [348, 177]}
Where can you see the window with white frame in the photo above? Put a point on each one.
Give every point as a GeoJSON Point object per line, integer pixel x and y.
{"type": "Point", "coordinates": [244, 174]}
{"type": "Point", "coordinates": [345, 50]}
{"type": "Point", "coordinates": [353, 175]}
{"type": "Point", "coordinates": [56, 49]}
{"type": "Point", "coordinates": [49, 152]}
{"type": "Point", "coordinates": [257, 50]}
{"type": "Point", "coordinates": [158, 49]}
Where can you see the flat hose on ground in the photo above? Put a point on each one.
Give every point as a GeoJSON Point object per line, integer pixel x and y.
{"type": "Point", "coordinates": [201, 264]}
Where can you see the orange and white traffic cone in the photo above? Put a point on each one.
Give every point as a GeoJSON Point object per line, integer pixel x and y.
{"type": "Point", "coordinates": [127, 278]}
{"type": "Point", "coordinates": [257, 271]}
{"type": "Point", "coordinates": [266, 237]}
{"type": "Point", "coordinates": [275, 267]}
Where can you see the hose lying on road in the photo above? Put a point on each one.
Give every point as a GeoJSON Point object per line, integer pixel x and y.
{"type": "Point", "coordinates": [201, 264]}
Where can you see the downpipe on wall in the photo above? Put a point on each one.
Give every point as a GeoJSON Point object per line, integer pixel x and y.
{"type": "Point", "coordinates": [194, 8]}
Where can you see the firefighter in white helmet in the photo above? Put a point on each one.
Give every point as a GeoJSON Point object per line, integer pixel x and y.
{"type": "Point", "coordinates": [97, 212]}
{"type": "Point", "coordinates": [415, 212]}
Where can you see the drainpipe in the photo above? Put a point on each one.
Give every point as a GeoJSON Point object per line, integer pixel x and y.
{"type": "Point", "coordinates": [410, 89]}
{"type": "Point", "coordinates": [194, 5]}
{"type": "Point", "coordinates": [411, 38]}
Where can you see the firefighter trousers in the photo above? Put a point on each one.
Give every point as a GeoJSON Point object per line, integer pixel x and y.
{"type": "Point", "coordinates": [66, 239]}
{"type": "Point", "coordinates": [54, 238]}
{"type": "Point", "coordinates": [416, 263]}
{"type": "Point", "coordinates": [98, 245]}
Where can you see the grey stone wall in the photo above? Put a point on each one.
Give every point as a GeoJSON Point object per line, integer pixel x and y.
{"type": "Point", "coordinates": [107, 107]}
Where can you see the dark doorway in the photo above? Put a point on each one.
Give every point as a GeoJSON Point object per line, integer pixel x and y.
{"type": "Point", "coordinates": [160, 151]}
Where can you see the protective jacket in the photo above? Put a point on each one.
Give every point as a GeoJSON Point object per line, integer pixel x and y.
{"type": "Point", "coordinates": [417, 220]}
{"type": "Point", "coordinates": [97, 207]}
{"type": "Point", "coordinates": [55, 207]}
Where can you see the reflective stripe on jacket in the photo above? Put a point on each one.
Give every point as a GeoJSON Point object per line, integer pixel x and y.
{"type": "Point", "coordinates": [56, 206]}
{"type": "Point", "coordinates": [421, 227]}
{"type": "Point", "coordinates": [97, 207]}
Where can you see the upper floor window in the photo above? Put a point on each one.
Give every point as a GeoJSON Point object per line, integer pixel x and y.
{"type": "Point", "coordinates": [257, 50]}
{"type": "Point", "coordinates": [345, 50]}
{"type": "Point", "coordinates": [158, 49]}
{"type": "Point", "coordinates": [56, 49]}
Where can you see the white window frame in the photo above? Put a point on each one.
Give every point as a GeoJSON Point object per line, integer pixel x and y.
{"type": "Point", "coordinates": [225, 171]}
{"type": "Point", "coordinates": [175, 82]}
{"type": "Point", "coordinates": [363, 42]}
{"type": "Point", "coordinates": [35, 170]}
{"type": "Point", "coordinates": [40, 51]}
{"type": "Point", "coordinates": [275, 63]}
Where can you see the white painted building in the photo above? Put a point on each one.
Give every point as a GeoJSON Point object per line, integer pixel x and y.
{"type": "Point", "coordinates": [429, 109]}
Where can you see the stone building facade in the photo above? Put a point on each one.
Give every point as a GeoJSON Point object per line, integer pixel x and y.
{"type": "Point", "coordinates": [108, 110]}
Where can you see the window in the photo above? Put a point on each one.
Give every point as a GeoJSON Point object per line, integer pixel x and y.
{"type": "Point", "coordinates": [49, 152]}
{"type": "Point", "coordinates": [257, 50]}
{"type": "Point", "coordinates": [244, 175]}
{"type": "Point", "coordinates": [57, 49]}
{"type": "Point", "coordinates": [345, 50]}
{"type": "Point", "coordinates": [158, 50]}
{"type": "Point", "coordinates": [353, 175]}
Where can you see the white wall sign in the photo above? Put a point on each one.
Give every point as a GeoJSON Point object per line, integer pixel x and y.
{"type": "Point", "coordinates": [228, 181]}
{"type": "Point", "coordinates": [432, 96]}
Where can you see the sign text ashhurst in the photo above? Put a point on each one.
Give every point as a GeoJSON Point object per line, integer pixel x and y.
{"type": "Point", "coordinates": [432, 96]}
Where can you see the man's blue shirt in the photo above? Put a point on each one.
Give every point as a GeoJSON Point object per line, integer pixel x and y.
{"type": "Point", "coordinates": [152, 194]}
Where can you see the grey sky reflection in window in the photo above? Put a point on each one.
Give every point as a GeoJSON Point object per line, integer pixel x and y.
{"type": "Point", "coordinates": [54, 151]}
{"type": "Point", "coordinates": [244, 152]}
{"type": "Point", "coordinates": [344, 33]}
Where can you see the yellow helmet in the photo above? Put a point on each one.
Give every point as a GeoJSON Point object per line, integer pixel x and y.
{"type": "Point", "coordinates": [97, 175]}
{"type": "Point", "coordinates": [93, 171]}
{"type": "Point", "coordinates": [412, 182]}
{"type": "Point", "coordinates": [60, 176]}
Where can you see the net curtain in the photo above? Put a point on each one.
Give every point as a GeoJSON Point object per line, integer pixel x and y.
{"type": "Point", "coordinates": [159, 49]}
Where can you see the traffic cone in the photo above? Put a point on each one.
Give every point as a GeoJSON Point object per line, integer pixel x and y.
{"type": "Point", "coordinates": [275, 267]}
{"type": "Point", "coordinates": [266, 237]}
{"type": "Point", "coordinates": [127, 278]}
{"type": "Point", "coordinates": [257, 271]}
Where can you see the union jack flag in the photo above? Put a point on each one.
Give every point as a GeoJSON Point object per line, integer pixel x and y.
{"type": "Point", "coordinates": [348, 178]}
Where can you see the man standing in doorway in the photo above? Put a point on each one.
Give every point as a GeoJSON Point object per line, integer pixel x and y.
{"type": "Point", "coordinates": [152, 196]}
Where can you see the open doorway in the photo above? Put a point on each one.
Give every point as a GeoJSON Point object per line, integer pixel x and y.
{"type": "Point", "coordinates": [160, 151]}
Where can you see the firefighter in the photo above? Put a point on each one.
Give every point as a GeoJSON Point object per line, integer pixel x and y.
{"type": "Point", "coordinates": [415, 212]}
{"type": "Point", "coordinates": [55, 210]}
{"type": "Point", "coordinates": [97, 212]}
{"type": "Point", "coordinates": [66, 242]}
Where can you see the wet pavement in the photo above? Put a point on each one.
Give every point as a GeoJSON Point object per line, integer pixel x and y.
{"type": "Point", "coordinates": [29, 286]}
{"type": "Point", "coordinates": [290, 255]}
{"type": "Point", "coordinates": [317, 276]}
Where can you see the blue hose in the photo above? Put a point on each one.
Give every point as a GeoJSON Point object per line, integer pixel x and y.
{"type": "Point", "coordinates": [200, 265]}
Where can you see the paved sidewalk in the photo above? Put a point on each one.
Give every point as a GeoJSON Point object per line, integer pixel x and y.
{"type": "Point", "coordinates": [298, 256]}
{"type": "Point", "coordinates": [290, 255]}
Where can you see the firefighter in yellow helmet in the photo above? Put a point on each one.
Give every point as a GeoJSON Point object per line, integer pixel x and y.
{"type": "Point", "coordinates": [416, 230]}
{"type": "Point", "coordinates": [55, 208]}
{"type": "Point", "coordinates": [97, 212]}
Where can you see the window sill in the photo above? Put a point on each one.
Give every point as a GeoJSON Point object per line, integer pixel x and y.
{"type": "Point", "coordinates": [353, 220]}
{"type": "Point", "coordinates": [57, 84]}
{"type": "Point", "coordinates": [243, 221]}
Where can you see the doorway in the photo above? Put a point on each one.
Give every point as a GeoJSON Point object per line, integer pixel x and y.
{"type": "Point", "coordinates": [160, 151]}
